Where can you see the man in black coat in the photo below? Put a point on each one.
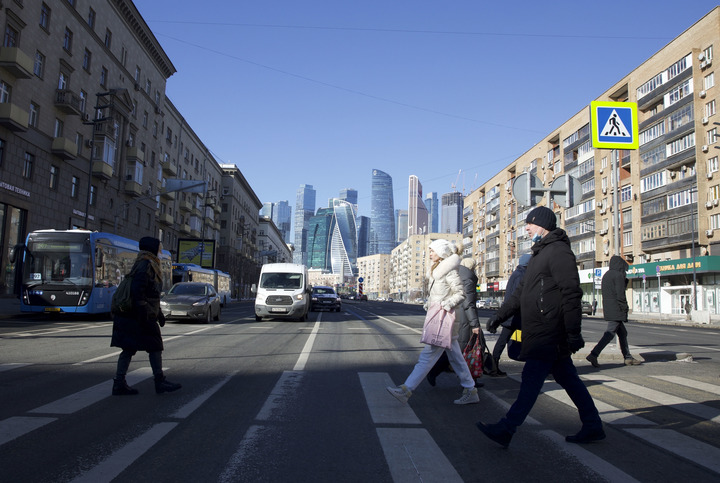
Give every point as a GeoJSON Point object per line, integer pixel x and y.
{"type": "Point", "coordinates": [139, 329]}
{"type": "Point", "coordinates": [615, 311]}
{"type": "Point", "coordinates": [549, 300]}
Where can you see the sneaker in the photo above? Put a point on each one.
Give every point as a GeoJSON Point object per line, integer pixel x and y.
{"type": "Point", "coordinates": [631, 361]}
{"type": "Point", "coordinates": [470, 396]}
{"type": "Point", "coordinates": [401, 393]}
{"type": "Point", "coordinates": [592, 359]}
{"type": "Point", "coordinates": [586, 436]}
{"type": "Point", "coordinates": [496, 432]}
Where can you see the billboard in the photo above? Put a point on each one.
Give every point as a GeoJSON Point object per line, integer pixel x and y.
{"type": "Point", "coordinates": [197, 251]}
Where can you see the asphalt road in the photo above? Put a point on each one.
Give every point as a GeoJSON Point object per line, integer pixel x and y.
{"type": "Point", "coordinates": [306, 401]}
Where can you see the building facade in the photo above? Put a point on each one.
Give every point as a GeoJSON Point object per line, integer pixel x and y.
{"type": "Point", "coordinates": [382, 213]}
{"type": "Point", "coordinates": [656, 206]}
{"type": "Point", "coordinates": [433, 208]}
{"type": "Point", "coordinates": [417, 213]}
{"type": "Point", "coordinates": [451, 220]}
{"type": "Point", "coordinates": [375, 271]}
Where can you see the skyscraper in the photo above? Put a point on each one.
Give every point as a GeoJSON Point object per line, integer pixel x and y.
{"type": "Point", "coordinates": [318, 239]}
{"type": "Point", "coordinates": [433, 207]}
{"type": "Point", "coordinates": [304, 210]}
{"type": "Point", "coordinates": [363, 235]}
{"type": "Point", "coordinates": [280, 214]}
{"type": "Point", "coordinates": [382, 214]}
{"type": "Point", "coordinates": [332, 239]}
{"type": "Point", "coordinates": [402, 225]}
{"type": "Point", "coordinates": [351, 196]}
{"type": "Point", "coordinates": [417, 213]}
{"type": "Point", "coordinates": [452, 212]}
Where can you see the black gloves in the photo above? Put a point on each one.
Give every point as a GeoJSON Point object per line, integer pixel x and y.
{"type": "Point", "coordinates": [492, 324]}
{"type": "Point", "coordinates": [575, 342]}
{"type": "Point", "coordinates": [161, 319]}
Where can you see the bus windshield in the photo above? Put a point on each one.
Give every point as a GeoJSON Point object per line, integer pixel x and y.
{"type": "Point", "coordinates": [59, 262]}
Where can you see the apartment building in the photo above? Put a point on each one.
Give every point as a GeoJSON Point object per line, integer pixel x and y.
{"type": "Point", "coordinates": [660, 208]}
{"type": "Point", "coordinates": [88, 138]}
{"type": "Point", "coordinates": [375, 271]}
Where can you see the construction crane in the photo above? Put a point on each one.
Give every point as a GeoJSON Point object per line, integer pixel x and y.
{"type": "Point", "coordinates": [454, 185]}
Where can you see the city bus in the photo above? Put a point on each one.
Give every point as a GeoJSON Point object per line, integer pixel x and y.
{"type": "Point", "coordinates": [77, 271]}
{"type": "Point", "coordinates": [190, 272]}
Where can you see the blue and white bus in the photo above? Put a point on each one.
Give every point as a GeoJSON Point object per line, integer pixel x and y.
{"type": "Point", "coordinates": [77, 271]}
{"type": "Point", "coordinates": [190, 272]}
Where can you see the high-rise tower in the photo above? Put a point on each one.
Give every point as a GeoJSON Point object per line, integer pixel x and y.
{"type": "Point", "coordinates": [304, 210]}
{"type": "Point", "coordinates": [452, 212]}
{"type": "Point", "coordinates": [382, 214]}
{"type": "Point", "coordinates": [417, 213]}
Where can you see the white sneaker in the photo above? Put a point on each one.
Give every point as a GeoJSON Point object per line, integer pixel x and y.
{"type": "Point", "coordinates": [401, 393]}
{"type": "Point", "coordinates": [470, 396]}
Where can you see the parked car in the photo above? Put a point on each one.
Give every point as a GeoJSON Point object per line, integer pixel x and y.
{"type": "Point", "coordinates": [586, 308]}
{"type": "Point", "coordinates": [494, 304]}
{"type": "Point", "coordinates": [481, 303]}
{"type": "Point", "coordinates": [191, 301]}
{"type": "Point", "coordinates": [324, 298]}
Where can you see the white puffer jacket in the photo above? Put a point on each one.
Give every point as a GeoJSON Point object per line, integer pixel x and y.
{"type": "Point", "coordinates": [445, 285]}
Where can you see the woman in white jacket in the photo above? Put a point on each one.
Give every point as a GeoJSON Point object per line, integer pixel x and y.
{"type": "Point", "coordinates": [445, 289]}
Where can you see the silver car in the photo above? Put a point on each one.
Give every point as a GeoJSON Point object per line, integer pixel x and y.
{"type": "Point", "coordinates": [191, 301]}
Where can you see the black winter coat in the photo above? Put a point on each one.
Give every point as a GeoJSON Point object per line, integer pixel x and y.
{"type": "Point", "coordinates": [139, 330]}
{"type": "Point", "coordinates": [548, 298]}
{"type": "Point", "coordinates": [515, 278]}
{"type": "Point", "coordinates": [466, 313]}
{"type": "Point", "coordinates": [614, 282]}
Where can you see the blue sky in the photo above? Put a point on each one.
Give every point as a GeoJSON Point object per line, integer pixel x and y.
{"type": "Point", "coordinates": [322, 92]}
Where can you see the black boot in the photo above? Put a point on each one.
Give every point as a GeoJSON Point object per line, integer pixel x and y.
{"type": "Point", "coordinates": [163, 385]}
{"type": "Point", "coordinates": [121, 388]}
{"type": "Point", "coordinates": [496, 370]}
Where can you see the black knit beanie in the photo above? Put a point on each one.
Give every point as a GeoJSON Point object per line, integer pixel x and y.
{"type": "Point", "coordinates": [544, 217]}
{"type": "Point", "coordinates": [150, 244]}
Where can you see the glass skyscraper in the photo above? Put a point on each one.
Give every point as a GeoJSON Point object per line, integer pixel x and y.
{"type": "Point", "coordinates": [433, 207]}
{"type": "Point", "coordinates": [333, 239]}
{"type": "Point", "coordinates": [417, 213]}
{"type": "Point", "coordinates": [382, 214]}
{"type": "Point", "coordinates": [304, 210]}
{"type": "Point", "coordinates": [452, 212]}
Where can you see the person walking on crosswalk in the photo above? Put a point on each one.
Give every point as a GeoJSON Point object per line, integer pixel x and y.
{"type": "Point", "coordinates": [615, 311]}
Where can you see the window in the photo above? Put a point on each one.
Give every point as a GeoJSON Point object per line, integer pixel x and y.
{"type": "Point", "coordinates": [59, 126]}
{"type": "Point", "coordinates": [626, 193]}
{"type": "Point", "coordinates": [681, 198]}
{"type": "Point", "coordinates": [627, 238]}
{"type": "Point", "coordinates": [148, 86]}
{"type": "Point", "coordinates": [714, 192]}
{"type": "Point", "coordinates": [711, 136]}
{"type": "Point", "coordinates": [137, 73]}
{"type": "Point", "coordinates": [2, 151]}
{"type": "Point", "coordinates": [86, 60]}
{"type": "Point", "coordinates": [33, 115]}
{"type": "Point", "coordinates": [39, 67]}
{"type": "Point", "coordinates": [93, 191]}
{"type": "Point", "coordinates": [108, 38]}
{"type": "Point", "coordinates": [63, 80]}
{"type": "Point", "coordinates": [655, 180]}
{"type": "Point", "coordinates": [713, 165]}
{"type": "Point", "coordinates": [652, 132]}
{"type": "Point", "coordinates": [45, 16]}
{"type": "Point", "coordinates": [103, 76]}
{"type": "Point", "coordinates": [678, 92]}
{"type": "Point", "coordinates": [5, 91]}
{"type": "Point", "coordinates": [708, 53]}
{"type": "Point", "coordinates": [91, 18]}
{"type": "Point", "coordinates": [83, 100]}
{"type": "Point", "coordinates": [679, 145]}
{"type": "Point", "coordinates": [75, 187]}
{"type": "Point", "coordinates": [28, 161]}
{"type": "Point", "coordinates": [11, 36]}
{"type": "Point", "coordinates": [79, 140]}
{"type": "Point", "coordinates": [53, 177]}
{"type": "Point", "coordinates": [123, 56]}
{"type": "Point", "coordinates": [709, 80]}
{"type": "Point", "coordinates": [145, 119]}
{"type": "Point", "coordinates": [67, 40]}
{"type": "Point", "coordinates": [710, 108]}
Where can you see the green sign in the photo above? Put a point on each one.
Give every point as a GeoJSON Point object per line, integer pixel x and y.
{"type": "Point", "coordinates": [675, 267]}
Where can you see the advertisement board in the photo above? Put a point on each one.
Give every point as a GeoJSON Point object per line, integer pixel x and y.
{"type": "Point", "coordinates": [197, 251]}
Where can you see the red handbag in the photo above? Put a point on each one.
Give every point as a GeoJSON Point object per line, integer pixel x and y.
{"type": "Point", "coordinates": [473, 354]}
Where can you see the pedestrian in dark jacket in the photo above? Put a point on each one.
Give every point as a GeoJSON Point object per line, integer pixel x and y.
{"type": "Point", "coordinates": [466, 317]}
{"type": "Point", "coordinates": [615, 311]}
{"type": "Point", "coordinates": [510, 325]}
{"type": "Point", "coordinates": [139, 330]}
{"type": "Point", "coordinates": [548, 298]}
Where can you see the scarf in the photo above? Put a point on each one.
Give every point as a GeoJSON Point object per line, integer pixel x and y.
{"type": "Point", "coordinates": [154, 263]}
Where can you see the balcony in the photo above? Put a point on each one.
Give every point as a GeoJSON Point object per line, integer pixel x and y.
{"type": "Point", "coordinates": [195, 233]}
{"type": "Point", "coordinates": [185, 229]}
{"type": "Point", "coordinates": [133, 188]}
{"type": "Point", "coordinates": [12, 117]}
{"type": "Point", "coordinates": [165, 219]}
{"type": "Point", "coordinates": [168, 196]}
{"type": "Point", "coordinates": [102, 170]}
{"type": "Point", "coordinates": [169, 168]}
{"type": "Point", "coordinates": [105, 128]}
{"type": "Point", "coordinates": [14, 60]}
{"type": "Point", "coordinates": [185, 206]}
{"type": "Point", "coordinates": [134, 155]}
{"type": "Point", "coordinates": [64, 148]}
{"type": "Point", "coordinates": [68, 102]}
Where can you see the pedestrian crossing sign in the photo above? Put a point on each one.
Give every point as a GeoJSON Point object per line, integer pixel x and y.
{"type": "Point", "coordinates": [614, 125]}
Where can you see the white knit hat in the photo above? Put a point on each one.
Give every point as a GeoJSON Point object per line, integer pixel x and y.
{"type": "Point", "coordinates": [442, 248]}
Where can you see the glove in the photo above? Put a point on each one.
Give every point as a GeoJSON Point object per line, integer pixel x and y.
{"type": "Point", "coordinates": [575, 342]}
{"type": "Point", "coordinates": [492, 324]}
{"type": "Point", "coordinates": [161, 319]}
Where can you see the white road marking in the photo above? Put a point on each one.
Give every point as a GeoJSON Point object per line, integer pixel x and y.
{"type": "Point", "coordinates": [188, 408]}
{"type": "Point", "coordinates": [684, 446]}
{"type": "Point", "coordinates": [384, 408]}
{"type": "Point", "coordinates": [17, 426]}
{"type": "Point", "coordinates": [413, 455]}
{"type": "Point", "coordinates": [302, 360]}
{"type": "Point", "coordinates": [703, 386]}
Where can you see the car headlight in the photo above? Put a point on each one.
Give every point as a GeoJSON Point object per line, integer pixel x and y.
{"type": "Point", "coordinates": [199, 303]}
{"type": "Point", "coordinates": [163, 303]}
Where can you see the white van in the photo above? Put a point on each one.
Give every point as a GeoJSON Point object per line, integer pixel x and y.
{"type": "Point", "coordinates": [282, 292]}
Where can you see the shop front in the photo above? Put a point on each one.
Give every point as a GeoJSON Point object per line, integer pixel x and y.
{"type": "Point", "coordinates": [667, 287]}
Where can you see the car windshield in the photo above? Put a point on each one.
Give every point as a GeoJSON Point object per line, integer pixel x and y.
{"type": "Point", "coordinates": [322, 290]}
{"type": "Point", "coordinates": [183, 289]}
{"type": "Point", "coordinates": [281, 280]}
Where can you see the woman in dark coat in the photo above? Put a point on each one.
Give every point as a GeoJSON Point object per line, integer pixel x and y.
{"type": "Point", "coordinates": [138, 329]}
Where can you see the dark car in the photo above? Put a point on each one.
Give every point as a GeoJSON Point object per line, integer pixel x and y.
{"type": "Point", "coordinates": [586, 308]}
{"type": "Point", "coordinates": [191, 301]}
{"type": "Point", "coordinates": [324, 298]}
{"type": "Point", "coordinates": [493, 304]}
